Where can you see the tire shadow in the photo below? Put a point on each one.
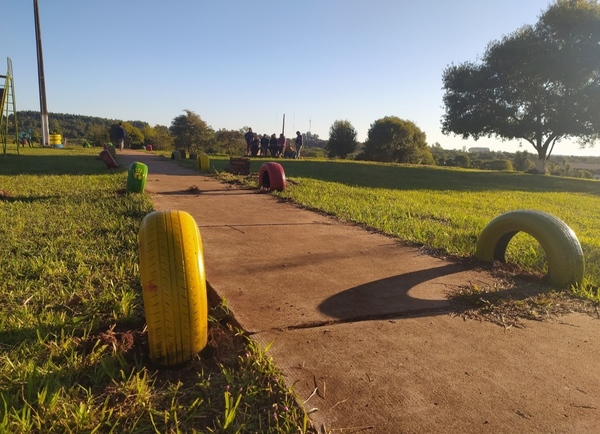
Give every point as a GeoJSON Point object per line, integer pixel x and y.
{"type": "Point", "coordinates": [410, 294]}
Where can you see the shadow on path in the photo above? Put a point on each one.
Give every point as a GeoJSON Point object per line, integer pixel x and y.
{"type": "Point", "coordinates": [391, 296]}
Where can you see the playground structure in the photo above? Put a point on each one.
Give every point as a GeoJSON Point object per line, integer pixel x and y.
{"type": "Point", "coordinates": [8, 105]}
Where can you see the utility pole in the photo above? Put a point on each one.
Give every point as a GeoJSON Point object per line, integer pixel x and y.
{"type": "Point", "coordinates": [41, 78]}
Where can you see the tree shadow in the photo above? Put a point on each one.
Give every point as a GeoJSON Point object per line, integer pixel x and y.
{"type": "Point", "coordinates": [407, 177]}
{"type": "Point", "coordinates": [26, 199]}
{"type": "Point", "coordinates": [60, 163]}
{"type": "Point", "coordinates": [160, 165]}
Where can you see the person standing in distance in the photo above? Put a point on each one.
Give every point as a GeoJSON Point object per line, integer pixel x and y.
{"type": "Point", "coordinates": [273, 146]}
{"type": "Point", "coordinates": [264, 145]}
{"type": "Point", "coordinates": [255, 145]}
{"type": "Point", "coordinates": [280, 144]}
{"type": "Point", "coordinates": [121, 135]}
{"type": "Point", "coordinates": [248, 137]}
{"type": "Point", "coordinates": [298, 141]}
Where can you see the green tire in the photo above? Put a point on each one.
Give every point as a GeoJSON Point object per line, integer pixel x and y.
{"type": "Point", "coordinates": [562, 248]}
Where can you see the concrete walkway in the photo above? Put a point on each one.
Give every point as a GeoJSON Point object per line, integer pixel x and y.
{"type": "Point", "coordinates": [362, 329]}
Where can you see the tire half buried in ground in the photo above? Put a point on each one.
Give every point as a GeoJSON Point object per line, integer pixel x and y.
{"type": "Point", "coordinates": [271, 176]}
{"type": "Point", "coordinates": [173, 286]}
{"type": "Point", "coordinates": [562, 248]}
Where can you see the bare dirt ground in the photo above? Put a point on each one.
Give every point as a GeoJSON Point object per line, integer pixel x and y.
{"type": "Point", "coordinates": [378, 337]}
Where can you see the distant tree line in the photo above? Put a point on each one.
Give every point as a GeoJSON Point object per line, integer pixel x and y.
{"type": "Point", "coordinates": [389, 139]}
{"type": "Point", "coordinates": [538, 85]}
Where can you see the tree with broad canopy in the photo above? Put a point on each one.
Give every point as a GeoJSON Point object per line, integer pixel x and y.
{"type": "Point", "coordinates": [190, 132]}
{"type": "Point", "coordinates": [394, 140]}
{"type": "Point", "coordinates": [540, 84]}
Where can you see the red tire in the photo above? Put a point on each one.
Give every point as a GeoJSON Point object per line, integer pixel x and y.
{"type": "Point", "coordinates": [271, 176]}
{"type": "Point", "coordinates": [108, 159]}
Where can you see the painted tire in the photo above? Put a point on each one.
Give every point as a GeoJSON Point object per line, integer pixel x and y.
{"type": "Point", "coordinates": [562, 248]}
{"type": "Point", "coordinates": [112, 150]}
{"type": "Point", "coordinates": [204, 162]}
{"type": "Point", "coordinates": [173, 286]}
{"type": "Point", "coordinates": [136, 177]}
{"type": "Point", "coordinates": [271, 176]}
{"type": "Point", "coordinates": [108, 159]}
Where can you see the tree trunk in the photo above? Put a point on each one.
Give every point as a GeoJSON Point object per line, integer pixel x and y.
{"type": "Point", "coordinates": [540, 165]}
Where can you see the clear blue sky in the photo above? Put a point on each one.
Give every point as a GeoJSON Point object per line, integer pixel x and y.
{"type": "Point", "coordinates": [243, 63]}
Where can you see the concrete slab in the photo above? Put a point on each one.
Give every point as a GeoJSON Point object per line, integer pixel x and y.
{"type": "Point", "coordinates": [444, 375]}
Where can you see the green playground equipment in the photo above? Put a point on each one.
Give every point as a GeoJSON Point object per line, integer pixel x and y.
{"type": "Point", "coordinates": [8, 105]}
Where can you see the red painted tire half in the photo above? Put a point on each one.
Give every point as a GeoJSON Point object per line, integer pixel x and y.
{"type": "Point", "coordinates": [271, 176]}
{"type": "Point", "coordinates": [113, 152]}
{"type": "Point", "coordinates": [108, 159]}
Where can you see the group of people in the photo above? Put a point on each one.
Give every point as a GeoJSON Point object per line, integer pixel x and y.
{"type": "Point", "coordinates": [271, 145]}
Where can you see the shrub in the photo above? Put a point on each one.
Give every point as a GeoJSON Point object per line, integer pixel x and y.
{"type": "Point", "coordinates": [498, 165]}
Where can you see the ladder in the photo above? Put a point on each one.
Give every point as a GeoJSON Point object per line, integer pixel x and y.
{"type": "Point", "coordinates": [8, 105]}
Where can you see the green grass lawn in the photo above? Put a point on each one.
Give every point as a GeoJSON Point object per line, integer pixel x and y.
{"type": "Point", "coordinates": [73, 350]}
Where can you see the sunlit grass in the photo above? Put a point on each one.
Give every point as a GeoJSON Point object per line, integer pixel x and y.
{"type": "Point", "coordinates": [73, 351]}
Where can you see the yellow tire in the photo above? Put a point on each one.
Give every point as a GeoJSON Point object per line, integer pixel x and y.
{"type": "Point", "coordinates": [173, 286]}
{"type": "Point", "coordinates": [562, 248]}
{"type": "Point", "coordinates": [204, 162]}
{"type": "Point", "coordinates": [55, 139]}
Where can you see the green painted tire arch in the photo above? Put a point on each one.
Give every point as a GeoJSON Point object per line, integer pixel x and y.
{"type": "Point", "coordinates": [136, 177]}
{"type": "Point", "coordinates": [562, 248]}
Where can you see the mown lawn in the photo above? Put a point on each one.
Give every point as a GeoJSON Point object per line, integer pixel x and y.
{"type": "Point", "coordinates": [73, 350]}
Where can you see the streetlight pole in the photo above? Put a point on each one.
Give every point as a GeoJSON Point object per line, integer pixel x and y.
{"type": "Point", "coordinates": [41, 78]}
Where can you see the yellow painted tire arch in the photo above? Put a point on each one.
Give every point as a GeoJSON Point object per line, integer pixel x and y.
{"type": "Point", "coordinates": [562, 248]}
{"type": "Point", "coordinates": [173, 286]}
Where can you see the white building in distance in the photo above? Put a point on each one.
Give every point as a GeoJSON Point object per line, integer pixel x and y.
{"type": "Point", "coordinates": [479, 150]}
